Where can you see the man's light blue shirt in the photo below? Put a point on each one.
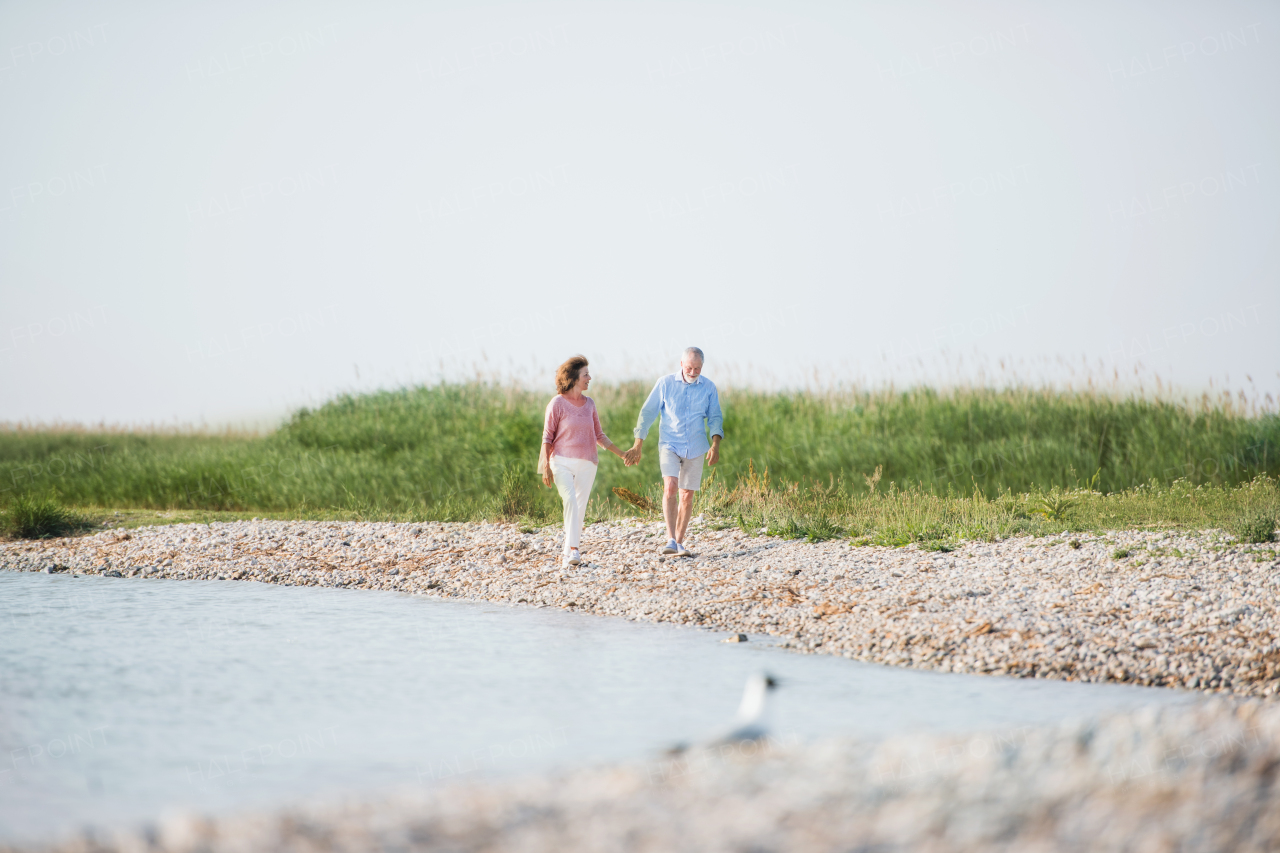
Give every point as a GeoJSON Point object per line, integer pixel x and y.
{"type": "Point", "coordinates": [688, 409]}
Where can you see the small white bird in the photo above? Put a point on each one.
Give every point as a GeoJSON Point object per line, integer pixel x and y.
{"type": "Point", "coordinates": [748, 724]}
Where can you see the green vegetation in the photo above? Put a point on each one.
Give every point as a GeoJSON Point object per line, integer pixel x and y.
{"type": "Point", "coordinates": [939, 521]}
{"type": "Point", "coordinates": [32, 517]}
{"type": "Point", "coordinates": [1256, 524]}
{"type": "Point", "coordinates": [517, 499]}
{"type": "Point", "coordinates": [893, 467]}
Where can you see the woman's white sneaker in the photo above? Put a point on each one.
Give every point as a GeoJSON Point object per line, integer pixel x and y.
{"type": "Point", "coordinates": [574, 559]}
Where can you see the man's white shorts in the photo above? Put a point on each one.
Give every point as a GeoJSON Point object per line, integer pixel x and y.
{"type": "Point", "coordinates": [689, 471]}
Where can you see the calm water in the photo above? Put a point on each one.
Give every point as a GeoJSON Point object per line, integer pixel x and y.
{"type": "Point", "coordinates": [123, 700]}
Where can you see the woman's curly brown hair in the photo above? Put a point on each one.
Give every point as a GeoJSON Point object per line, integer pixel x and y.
{"type": "Point", "coordinates": [567, 375]}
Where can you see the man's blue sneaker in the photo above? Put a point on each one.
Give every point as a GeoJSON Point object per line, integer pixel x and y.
{"type": "Point", "coordinates": [671, 548]}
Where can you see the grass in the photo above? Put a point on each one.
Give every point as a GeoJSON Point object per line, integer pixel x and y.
{"type": "Point", "coordinates": [892, 467]}
{"type": "Point", "coordinates": [934, 521]}
{"type": "Point", "coordinates": [517, 499]}
{"type": "Point", "coordinates": [1256, 525]}
{"type": "Point", "coordinates": [40, 517]}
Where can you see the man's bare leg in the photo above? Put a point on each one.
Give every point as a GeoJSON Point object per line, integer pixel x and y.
{"type": "Point", "coordinates": [670, 499]}
{"type": "Point", "coordinates": [686, 512]}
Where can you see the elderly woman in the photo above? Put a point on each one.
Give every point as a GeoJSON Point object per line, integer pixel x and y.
{"type": "Point", "coordinates": [570, 434]}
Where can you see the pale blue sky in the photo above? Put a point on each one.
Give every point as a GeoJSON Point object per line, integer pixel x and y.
{"type": "Point", "coordinates": [215, 214]}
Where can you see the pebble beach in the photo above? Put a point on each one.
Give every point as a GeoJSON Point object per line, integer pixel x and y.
{"type": "Point", "coordinates": [1193, 611]}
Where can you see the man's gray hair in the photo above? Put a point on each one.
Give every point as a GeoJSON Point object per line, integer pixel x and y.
{"type": "Point", "coordinates": [692, 352]}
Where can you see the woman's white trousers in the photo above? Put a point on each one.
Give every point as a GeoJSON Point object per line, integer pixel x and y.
{"type": "Point", "coordinates": [573, 479]}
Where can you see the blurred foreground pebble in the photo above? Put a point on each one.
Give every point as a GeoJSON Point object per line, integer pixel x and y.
{"type": "Point", "coordinates": [1190, 778]}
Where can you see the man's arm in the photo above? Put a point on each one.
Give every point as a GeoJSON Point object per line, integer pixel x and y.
{"type": "Point", "coordinates": [648, 414]}
{"type": "Point", "coordinates": [715, 423]}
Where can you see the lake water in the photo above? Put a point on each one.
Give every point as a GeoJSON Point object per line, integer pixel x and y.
{"type": "Point", "coordinates": [124, 700]}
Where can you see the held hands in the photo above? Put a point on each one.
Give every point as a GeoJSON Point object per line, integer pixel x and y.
{"type": "Point", "coordinates": [632, 456]}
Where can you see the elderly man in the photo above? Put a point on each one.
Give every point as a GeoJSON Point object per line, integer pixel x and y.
{"type": "Point", "coordinates": [690, 408]}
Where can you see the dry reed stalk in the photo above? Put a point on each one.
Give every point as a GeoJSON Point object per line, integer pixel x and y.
{"type": "Point", "coordinates": [638, 501]}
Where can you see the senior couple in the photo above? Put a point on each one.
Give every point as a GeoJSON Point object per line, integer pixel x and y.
{"type": "Point", "coordinates": [689, 408]}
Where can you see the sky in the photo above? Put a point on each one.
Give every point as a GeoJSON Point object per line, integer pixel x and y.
{"type": "Point", "coordinates": [212, 214]}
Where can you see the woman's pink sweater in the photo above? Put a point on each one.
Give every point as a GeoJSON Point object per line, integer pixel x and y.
{"type": "Point", "coordinates": [573, 431]}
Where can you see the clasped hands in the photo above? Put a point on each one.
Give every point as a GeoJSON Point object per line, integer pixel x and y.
{"type": "Point", "coordinates": [629, 457]}
{"type": "Point", "coordinates": [632, 456]}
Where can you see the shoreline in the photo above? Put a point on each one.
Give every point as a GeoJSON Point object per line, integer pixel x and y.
{"type": "Point", "coordinates": [1185, 610]}
{"type": "Point", "coordinates": [1197, 778]}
